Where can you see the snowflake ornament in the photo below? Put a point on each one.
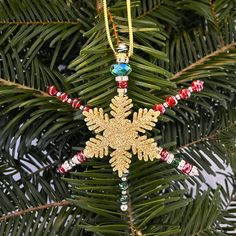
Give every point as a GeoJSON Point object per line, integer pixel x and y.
{"type": "Point", "coordinates": [121, 135]}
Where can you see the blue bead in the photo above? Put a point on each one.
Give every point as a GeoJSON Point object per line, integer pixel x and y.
{"type": "Point", "coordinates": [122, 69]}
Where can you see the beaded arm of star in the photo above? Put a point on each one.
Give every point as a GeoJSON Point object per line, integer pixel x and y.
{"type": "Point", "coordinates": [118, 136]}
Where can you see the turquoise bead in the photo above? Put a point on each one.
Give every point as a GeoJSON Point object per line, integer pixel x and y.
{"type": "Point", "coordinates": [122, 69]}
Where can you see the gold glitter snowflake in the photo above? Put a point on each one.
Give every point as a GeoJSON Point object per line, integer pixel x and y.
{"type": "Point", "coordinates": [120, 134]}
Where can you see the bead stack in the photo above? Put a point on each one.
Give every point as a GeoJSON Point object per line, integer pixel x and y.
{"type": "Point", "coordinates": [122, 69]}
{"type": "Point", "coordinates": [77, 159]}
{"type": "Point", "coordinates": [183, 94]}
{"type": "Point", "coordinates": [124, 191]}
{"type": "Point", "coordinates": [64, 97]}
{"type": "Point", "coordinates": [180, 164]}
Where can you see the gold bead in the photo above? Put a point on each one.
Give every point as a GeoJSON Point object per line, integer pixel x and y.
{"type": "Point", "coordinates": [122, 58]}
{"type": "Point", "coordinates": [138, 233]}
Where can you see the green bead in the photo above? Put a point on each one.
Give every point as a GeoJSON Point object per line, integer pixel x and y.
{"type": "Point", "coordinates": [124, 199]}
{"type": "Point", "coordinates": [123, 185]}
{"type": "Point", "coordinates": [175, 163]}
{"type": "Point", "coordinates": [121, 69]}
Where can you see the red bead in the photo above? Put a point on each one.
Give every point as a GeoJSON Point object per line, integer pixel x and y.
{"type": "Point", "coordinates": [61, 170]}
{"type": "Point", "coordinates": [122, 84]}
{"type": "Point", "coordinates": [52, 90]}
{"type": "Point", "coordinates": [187, 168]}
{"type": "Point", "coordinates": [160, 108]}
{"type": "Point", "coordinates": [197, 85]}
{"type": "Point", "coordinates": [184, 93]}
{"type": "Point", "coordinates": [76, 103]}
{"type": "Point", "coordinates": [164, 155]}
{"type": "Point", "coordinates": [86, 108]}
{"type": "Point", "coordinates": [171, 101]}
{"type": "Point", "coordinates": [63, 97]}
{"type": "Point", "coordinates": [81, 157]}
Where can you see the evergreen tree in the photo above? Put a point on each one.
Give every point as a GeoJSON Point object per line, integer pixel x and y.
{"type": "Point", "coordinates": [63, 42]}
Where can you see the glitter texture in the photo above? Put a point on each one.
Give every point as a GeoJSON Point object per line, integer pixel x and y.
{"type": "Point", "coordinates": [120, 134]}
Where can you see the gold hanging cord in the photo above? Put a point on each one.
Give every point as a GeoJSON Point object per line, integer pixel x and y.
{"type": "Point", "coordinates": [131, 39]}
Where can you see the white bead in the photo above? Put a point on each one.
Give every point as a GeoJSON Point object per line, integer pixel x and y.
{"type": "Point", "coordinates": [122, 78]}
{"type": "Point", "coordinates": [177, 97]}
{"type": "Point", "coordinates": [75, 160]}
{"type": "Point", "coordinates": [81, 107]}
{"type": "Point", "coordinates": [58, 94]}
{"type": "Point", "coordinates": [159, 149]}
{"type": "Point", "coordinates": [66, 165]}
{"type": "Point", "coordinates": [71, 163]}
{"type": "Point", "coordinates": [122, 60]}
{"type": "Point", "coordinates": [121, 90]}
{"type": "Point", "coordinates": [69, 100]}
{"type": "Point", "coordinates": [181, 164]}
{"type": "Point", "coordinates": [170, 158]}
{"type": "Point", "coordinates": [190, 89]}
{"type": "Point", "coordinates": [194, 171]}
{"type": "Point", "coordinates": [124, 192]}
{"type": "Point", "coordinates": [124, 207]}
{"type": "Point", "coordinates": [165, 104]}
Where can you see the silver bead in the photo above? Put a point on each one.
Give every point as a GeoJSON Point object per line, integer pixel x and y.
{"type": "Point", "coordinates": [122, 47]}
{"type": "Point", "coordinates": [124, 207]}
{"type": "Point", "coordinates": [124, 178]}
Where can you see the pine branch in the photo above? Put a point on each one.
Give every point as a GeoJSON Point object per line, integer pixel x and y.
{"type": "Point", "coordinates": [231, 200]}
{"type": "Point", "coordinates": [134, 232]}
{"type": "Point", "coordinates": [155, 7]}
{"type": "Point", "coordinates": [20, 86]}
{"type": "Point", "coordinates": [206, 138]}
{"type": "Point", "coordinates": [31, 209]}
{"type": "Point", "coordinates": [42, 169]}
{"type": "Point", "coordinates": [39, 22]}
{"type": "Point", "coordinates": [130, 216]}
{"type": "Point", "coordinates": [200, 232]}
{"type": "Point", "coordinates": [99, 6]}
{"type": "Point", "coordinates": [204, 59]}
{"type": "Point", "coordinates": [114, 28]}
{"type": "Point", "coordinates": [216, 21]}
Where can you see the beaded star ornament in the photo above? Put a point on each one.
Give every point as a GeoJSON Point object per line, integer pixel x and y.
{"type": "Point", "coordinates": [121, 134]}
